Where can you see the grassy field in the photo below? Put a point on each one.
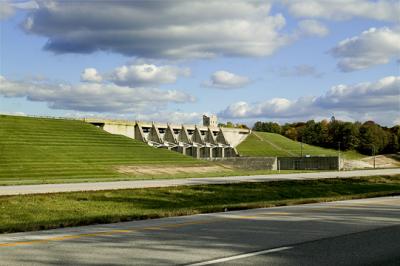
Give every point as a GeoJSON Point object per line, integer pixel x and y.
{"type": "Point", "coordinates": [270, 144]}
{"type": "Point", "coordinates": [40, 149]}
{"type": "Point", "coordinates": [34, 212]}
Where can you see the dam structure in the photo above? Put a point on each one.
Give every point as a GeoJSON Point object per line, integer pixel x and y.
{"type": "Point", "coordinates": [206, 141]}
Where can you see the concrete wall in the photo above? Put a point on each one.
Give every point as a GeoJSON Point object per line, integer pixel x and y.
{"type": "Point", "coordinates": [193, 140]}
{"type": "Point", "coordinates": [253, 163]}
{"type": "Point", "coordinates": [235, 136]}
{"type": "Point", "coordinates": [120, 129]}
{"type": "Point", "coordinates": [308, 163]}
{"type": "Point", "coordinates": [285, 163]}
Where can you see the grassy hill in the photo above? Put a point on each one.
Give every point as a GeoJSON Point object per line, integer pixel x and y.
{"type": "Point", "coordinates": [270, 144]}
{"type": "Point", "coordinates": [40, 148]}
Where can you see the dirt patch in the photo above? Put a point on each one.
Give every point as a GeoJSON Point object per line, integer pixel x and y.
{"type": "Point", "coordinates": [170, 170]}
{"type": "Point", "coordinates": [381, 161]}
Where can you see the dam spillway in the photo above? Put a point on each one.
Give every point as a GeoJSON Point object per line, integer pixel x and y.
{"type": "Point", "coordinates": [206, 141]}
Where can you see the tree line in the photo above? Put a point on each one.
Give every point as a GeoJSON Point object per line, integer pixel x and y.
{"type": "Point", "coordinates": [229, 124]}
{"type": "Point", "coordinates": [367, 138]}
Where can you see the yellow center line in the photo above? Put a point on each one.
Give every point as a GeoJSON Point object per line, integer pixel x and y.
{"type": "Point", "coordinates": [259, 215]}
{"type": "Point", "coordinates": [23, 243]}
{"type": "Point", "coordinates": [107, 233]}
{"type": "Point", "coordinates": [65, 237]}
{"type": "Point", "coordinates": [134, 229]}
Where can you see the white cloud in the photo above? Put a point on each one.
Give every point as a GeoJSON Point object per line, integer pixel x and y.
{"type": "Point", "coordinates": [226, 80]}
{"type": "Point", "coordinates": [165, 116]}
{"type": "Point", "coordinates": [26, 5]}
{"type": "Point", "coordinates": [313, 28]}
{"type": "Point", "coordinates": [384, 10]}
{"type": "Point", "coordinates": [91, 75]}
{"type": "Point", "coordinates": [142, 74]}
{"type": "Point", "coordinates": [13, 113]}
{"type": "Point", "coordinates": [372, 47]}
{"type": "Point", "coordinates": [95, 97]}
{"type": "Point", "coordinates": [183, 29]}
{"type": "Point", "coordinates": [274, 108]}
{"type": "Point", "coordinates": [175, 117]}
{"type": "Point", "coordinates": [378, 99]}
{"type": "Point", "coordinates": [6, 10]}
{"type": "Point", "coordinates": [382, 95]}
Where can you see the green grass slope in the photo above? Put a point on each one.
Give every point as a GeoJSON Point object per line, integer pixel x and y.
{"type": "Point", "coordinates": [40, 148]}
{"type": "Point", "coordinates": [270, 144]}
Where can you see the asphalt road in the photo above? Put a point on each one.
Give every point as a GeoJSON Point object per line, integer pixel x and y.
{"type": "Point", "coordinates": [53, 188]}
{"type": "Point", "coordinates": [357, 232]}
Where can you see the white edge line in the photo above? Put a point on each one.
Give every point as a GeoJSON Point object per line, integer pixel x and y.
{"type": "Point", "coordinates": [246, 255]}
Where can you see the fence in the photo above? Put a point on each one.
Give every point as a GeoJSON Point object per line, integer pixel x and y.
{"type": "Point", "coordinates": [309, 163]}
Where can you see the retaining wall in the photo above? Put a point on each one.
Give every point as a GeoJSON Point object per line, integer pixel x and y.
{"type": "Point", "coordinates": [254, 163]}
{"type": "Point", "coordinates": [283, 163]}
{"type": "Point", "coordinates": [309, 163]}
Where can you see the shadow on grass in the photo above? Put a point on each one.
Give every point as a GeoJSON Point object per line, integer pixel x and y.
{"type": "Point", "coordinates": [38, 212]}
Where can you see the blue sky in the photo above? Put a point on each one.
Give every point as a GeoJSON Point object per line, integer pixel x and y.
{"type": "Point", "coordinates": [175, 60]}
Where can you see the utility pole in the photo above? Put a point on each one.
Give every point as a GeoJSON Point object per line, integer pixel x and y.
{"type": "Point", "coordinates": [301, 147]}
{"type": "Point", "coordinates": [279, 166]}
{"type": "Point", "coordinates": [339, 154]}
{"type": "Point", "coordinates": [373, 152]}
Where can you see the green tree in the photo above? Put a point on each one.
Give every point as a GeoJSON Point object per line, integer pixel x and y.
{"type": "Point", "coordinates": [271, 127]}
{"type": "Point", "coordinates": [291, 133]}
{"type": "Point", "coordinates": [373, 138]}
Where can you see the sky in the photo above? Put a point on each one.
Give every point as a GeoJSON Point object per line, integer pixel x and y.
{"type": "Point", "coordinates": [173, 61]}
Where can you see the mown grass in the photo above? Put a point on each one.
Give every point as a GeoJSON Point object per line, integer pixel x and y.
{"type": "Point", "coordinates": [35, 212]}
{"type": "Point", "coordinates": [42, 151]}
{"type": "Point", "coordinates": [259, 144]}
{"type": "Point", "coordinates": [46, 149]}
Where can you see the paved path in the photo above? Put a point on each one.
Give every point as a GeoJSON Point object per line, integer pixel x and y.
{"type": "Point", "coordinates": [356, 232]}
{"type": "Point", "coordinates": [52, 188]}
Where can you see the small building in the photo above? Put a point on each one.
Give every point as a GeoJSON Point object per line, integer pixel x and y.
{"type": "Point", "coordinates": [210, 121]}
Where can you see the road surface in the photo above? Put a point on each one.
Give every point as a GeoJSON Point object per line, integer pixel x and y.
{"type": "Point", "coordinates": [356, 232]}
{"type": "Point", "coordinates": [53, 188]}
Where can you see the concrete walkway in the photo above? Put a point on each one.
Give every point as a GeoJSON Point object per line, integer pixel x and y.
{"type": "Point", "coordinates": [52, 188]}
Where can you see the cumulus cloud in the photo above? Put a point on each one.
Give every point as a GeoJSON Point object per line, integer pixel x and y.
{"type": "Point", "coordinates": [145, 74]}
{"type": "Point", "coordinates": [313, 28]}
{"type": "Point", "coordinates": [299, 71]}
{"type": "Point", "coordinates": [226, 80]}
{"type": "Point", "coordinates": [380, 98]}
{"type": "Point", "coordinates": [375, 46]}
{"type": "Point", "coordinates": [91, 75]}
{"type": "Point", "coordinates": [383, 94]}
{"type": "Point", "coordinates": [273, 108]}
{"type": "Point", "coordinates": [184, 29]}
{"type": "Point", "coordinates": [8, 8]}
{"type": "Point", "coordinates": [173, 117]}
{"type": "Point", "coordinates": [94, 97]}
{"type": "Point", "coordinates": [384, 10]}
{"type": "Point", "coordinates": [13, 113]}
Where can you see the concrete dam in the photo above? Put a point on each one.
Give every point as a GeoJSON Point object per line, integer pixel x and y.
{"type": "Point", "coordinates": [206, 141]}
